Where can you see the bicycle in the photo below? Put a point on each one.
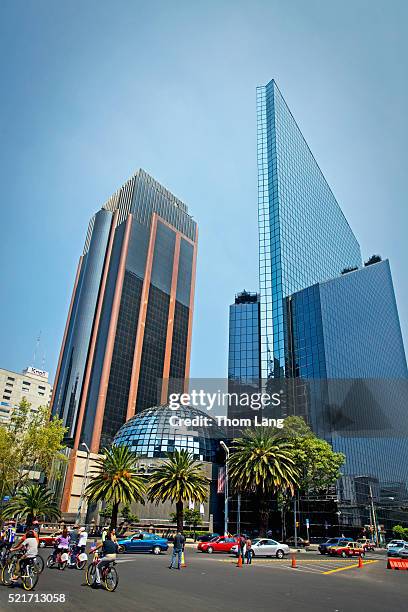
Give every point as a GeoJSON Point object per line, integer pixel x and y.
{"type": "Point", "coordinates": [77, 559]}
{"type": "Point", "coordinates": [61, 559]}
{"type": "Point", "coordinates": [109, 574]}
{"type": "Point", "coordinates": [29, 577]}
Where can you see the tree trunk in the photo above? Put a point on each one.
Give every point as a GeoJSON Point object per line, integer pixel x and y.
{"type": "Point", "coordinates": [114, 516]}
{"type": "Point", "coordinates": [179, 515]}
{"type": "Point", "coordinates": [263, 516]}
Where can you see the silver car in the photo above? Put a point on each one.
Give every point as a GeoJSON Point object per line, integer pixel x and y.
{"type": "Point", "coordinates": [265, 547]}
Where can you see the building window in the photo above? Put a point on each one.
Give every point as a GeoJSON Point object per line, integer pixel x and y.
{"type": "Point", "coordinates": [10, 378]}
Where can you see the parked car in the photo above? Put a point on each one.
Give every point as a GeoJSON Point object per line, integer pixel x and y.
{"type": "Point", "coordinates": [301, 543]}
{"type": "Point", "coordinates": [221, 544]}
{"type": "Point", "coordinates": [351, 549]}
{"type": "Point", "coordinates": [207, 537]}
{"type": "Point", "coordinates": [332, 542]}
{"type": "Point", "coordinates": [48, 539]}
{"type": "Point", "coordinates": [399, 550]}
{"type": "Point", "coordinates": [143, 542]}
{"type": "Point", "coordinates": [366, 544]}
{"type": "Point", "coordinates": [266, 547]}
{"type": "Point", "coordinates": [394, 543]}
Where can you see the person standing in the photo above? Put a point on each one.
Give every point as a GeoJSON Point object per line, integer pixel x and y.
{"type": "Point", "coordinates": [242, 546]}
{"type": "Point", "coordinates": [178, 547]}
{"type": "Point", "coordinates": [248, 551]}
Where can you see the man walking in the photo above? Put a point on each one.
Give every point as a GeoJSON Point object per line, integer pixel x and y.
{"type": "Point", "coordinates": [178, 547]}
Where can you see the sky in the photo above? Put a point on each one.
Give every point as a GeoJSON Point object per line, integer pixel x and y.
{"type": "Point", "coordinates": [93, 90]}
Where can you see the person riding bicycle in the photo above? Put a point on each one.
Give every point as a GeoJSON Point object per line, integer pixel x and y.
{"type": "Point", "coordinates": [82, 540]}
{"type": "Point", "coordinates": [61, 544]}
{"type": "Point", "coordinates": [30, 546]}
{"type": "Point", "coordinates": [109, 550]}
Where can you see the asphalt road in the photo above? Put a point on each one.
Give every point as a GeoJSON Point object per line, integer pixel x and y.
{"type": "Point", "coordinates": [214, 583]}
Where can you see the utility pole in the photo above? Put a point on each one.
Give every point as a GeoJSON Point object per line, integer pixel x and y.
{"type": "Point", "coordinates": [374, 515]}
{"type": "Point", "coordinates": [226, 449]}
{"type": "Point", "coordinates": [239, 513]}
{"type": "Point", "coordinates": [295, 516]}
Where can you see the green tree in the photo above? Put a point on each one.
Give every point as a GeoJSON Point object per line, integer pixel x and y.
{"type": "Point", "coordinates": [31, 441]}
{"type": "Point", "coordinates": [316, 462]}
{"type": "Point", "coordinates": [128, 515]}
{"type": "Point", "coordinates": [192, 518]}
{"type": "Point", "coordinates": [115, 480]}
{"type": "Point", "coordinates": [179, 479]}
{"type": "Point", "coordinates": [33, 502]}
{"type": "Point", "coordinates": [400, 532]}
{"type": "Point", "coordinates": [262, 465]}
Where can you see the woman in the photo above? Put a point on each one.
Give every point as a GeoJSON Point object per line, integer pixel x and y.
{"type": "Point", "coordinates": [62, 542]}
{"type": "Point", "coordinates": [248, 551]}
{"type": "Point", "coordinates": [109, 550]}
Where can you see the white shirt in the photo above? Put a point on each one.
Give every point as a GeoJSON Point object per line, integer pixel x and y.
{"type": "Point", "coordinates": [83, 538]}
{"type": "Point", "coordinates": [31, 546]}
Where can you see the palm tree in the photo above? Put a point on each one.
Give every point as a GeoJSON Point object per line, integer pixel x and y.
{"type": "Point", "coordinates": [115, 480]}
{"type": "Point", "coordinates": [33, 502]}
{"type": "Point", "coordinates": [179, 479]}
{"type": "Point", "coordinates": [262, 464]}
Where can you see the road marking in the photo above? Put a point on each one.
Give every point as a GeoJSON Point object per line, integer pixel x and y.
{"type": "Point", "coordinates": [341, 569]}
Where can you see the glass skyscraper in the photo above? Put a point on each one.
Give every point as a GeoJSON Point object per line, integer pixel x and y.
{"type": "Point", "coordinates": [130, 319]}
{"type": "Point", "coordinates": [328, 325]}
{"type": "Point", "coordinates": [304, 237]}
{"type": "Point", "coordinates": [244, 338]}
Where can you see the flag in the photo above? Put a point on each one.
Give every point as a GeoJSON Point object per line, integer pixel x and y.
{"type": "Point", "coordinates": [221, 480]}
{"type": "Point", "coordinates": [202, 509]}
{"type": "Point", "coordinates": [190, 504]}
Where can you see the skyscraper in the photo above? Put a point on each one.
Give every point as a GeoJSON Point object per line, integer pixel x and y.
{"type": "Point", "coordinates": [130, 319]}
{"type": "Point", "coordinates": [328, 324]}
{"type": "Point", "coordinates": [304, 237]}
{"type": "Point", "coordinates": [244, 338]}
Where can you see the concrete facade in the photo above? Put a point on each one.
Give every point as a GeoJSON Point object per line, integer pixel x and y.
{"type": "Point", "coordinates": [31, 384]}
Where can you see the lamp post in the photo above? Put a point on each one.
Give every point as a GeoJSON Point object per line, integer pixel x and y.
{"type": "Point", "coordinates": [84, 483]}
{"type": "Point", "coordinates": [227, 453]}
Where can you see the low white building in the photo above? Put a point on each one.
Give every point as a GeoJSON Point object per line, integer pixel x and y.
{"type": "Point", "coordinates": [32, 384]}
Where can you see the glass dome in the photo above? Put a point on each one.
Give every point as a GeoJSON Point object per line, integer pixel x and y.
{"type": "Point", "coordinates": [149, 434]}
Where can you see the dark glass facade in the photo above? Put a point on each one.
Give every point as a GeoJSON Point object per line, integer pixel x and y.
{"type": "Point", "coordinates": [244, 338]}
{"type": "Point", "coordinates": [343, 339]}
{"type": "Point", "coordinates": [132, 303]}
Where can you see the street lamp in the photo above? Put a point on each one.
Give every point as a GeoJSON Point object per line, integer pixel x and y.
{"type": "Point", "coordinates": [227, 453]}
{"type": "Point", "coordinates": [84, 483]}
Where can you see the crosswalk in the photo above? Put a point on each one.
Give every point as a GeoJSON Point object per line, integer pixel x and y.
{"type": "Point", "coordinates": [323, 566]}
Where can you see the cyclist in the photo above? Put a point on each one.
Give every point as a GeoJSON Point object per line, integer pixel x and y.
{"type": "Point", "coordinates": [109, 550]}
{"type": "Point", "coordinates": [82, 540]}
{"type": "Point", "coordinates": [30, 546]}
{"type": "Point", "coordinates": [61, 544]}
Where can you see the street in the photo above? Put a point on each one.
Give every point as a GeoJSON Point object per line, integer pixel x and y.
{"type": "Point", "coordinates": [214, 583]}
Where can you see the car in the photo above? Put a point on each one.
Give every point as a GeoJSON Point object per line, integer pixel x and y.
{"type": "Point", "coordinates": [399, 550]}
{"type": "Point", "coordinates": [394, 543]}
{"type": "Point", "coordinates": [351, 549]}
{"type": "Point", "coordinates": [266, 547]}
{"type": "Point", "coordinates": [143, 542]}
{"type": "Point", "coordinates": [301, 543]}
{"type": "Point", "coordinates": [332, 542]}
{"type": "Point", "coordinates": [207, 537]}
{"type": "Point", "coordinates": [48, 539]}
{"type": "Point", "coordinates": [221, 544]}
{"type": "Point", "coordinates": [366, 544]}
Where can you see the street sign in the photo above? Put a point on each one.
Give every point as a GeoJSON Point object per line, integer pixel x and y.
{"type": "Point", "coordinates": [6, 498]}
{"type": "Point", "coordinates": [307, 523]}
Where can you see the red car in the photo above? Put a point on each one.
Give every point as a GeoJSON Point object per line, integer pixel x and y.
{"type": "Point", "coordinates": [47, 540]}
{"type": "Point", "coordinates": [351, 549]}
{"type": "Point", "coordinates": [221, 544]}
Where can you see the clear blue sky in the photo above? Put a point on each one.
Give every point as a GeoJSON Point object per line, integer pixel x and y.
{"type": "Point", "coordinates": [92, 90]}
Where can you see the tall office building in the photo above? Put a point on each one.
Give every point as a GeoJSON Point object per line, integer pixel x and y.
{"type": "Point", "coordinates": [304, 237]}
{"type": "Point", "coordinates": [244, 338]}
{"type": "Point", "coordinates": [338, 332]}
{"type": "Point", "coordinates": [130, 319]}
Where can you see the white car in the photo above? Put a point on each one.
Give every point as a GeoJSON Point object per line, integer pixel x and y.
{"type": "Point", "coordinates": [265, 547]}
{"type": "Point", "coordinates": [395, 543]}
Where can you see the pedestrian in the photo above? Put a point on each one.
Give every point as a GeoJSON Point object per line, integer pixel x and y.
{"type": "Point", "coordinates": [242, 546]}
{"type": "Point", "coordinates": [178, 547]}
{"type": "Point", "coordinates": [248, 550]}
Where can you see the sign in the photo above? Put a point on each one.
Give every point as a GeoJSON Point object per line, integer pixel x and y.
{"type": "Point", "coordinates": [6, 498]}
{"type": "Point", "coordinates": [307, 523]}
{"type": "Point", "coordinates": [36, 372]}
{"type": "Point", "coordinates": [221, 480]}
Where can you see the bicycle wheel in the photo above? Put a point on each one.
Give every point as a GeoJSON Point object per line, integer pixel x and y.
{"type": "Point", "coordinates": [111, 579]}
{"type": "Point", "coordinates": [38, 564]}
{"type": "Point", "coordinates": [90, 575]}
{"type": "Point", "coordinates": [50, 562]}
{"type": "Point", "coordinates": [7, 574]}
{"type": "Point", "coordinates": [30, 578]}
{"type": "Point", "coordinates": [80, 564]}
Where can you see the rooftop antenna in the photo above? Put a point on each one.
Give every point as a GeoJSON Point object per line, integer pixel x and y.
{"type": "Point", "coordinates": [37, 344]}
